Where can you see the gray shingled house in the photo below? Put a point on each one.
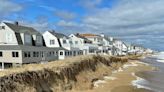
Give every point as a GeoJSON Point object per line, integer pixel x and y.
{"type": "Point", "coordinates": [23, 45]}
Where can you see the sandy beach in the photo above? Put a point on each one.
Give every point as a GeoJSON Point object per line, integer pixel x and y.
{"type": "Point", "coordinates": [122, 80]}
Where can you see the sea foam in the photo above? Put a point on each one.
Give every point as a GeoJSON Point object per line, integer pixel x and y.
{"type": "Point", "coordinates": [139, 81]}
{"type": "Point", "coordinates": [160, 57]}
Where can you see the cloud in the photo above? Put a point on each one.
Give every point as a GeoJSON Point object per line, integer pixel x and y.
{"type": "Point", "coordinates": [65, 15]}
{"type": "Point", "coordinates": [69, 27]}
{"type": "Point", "coordinates": [63, 23]}
{"type": "Point", "coordinates": [41, 23]}
{"type": "Point", "coordinates": [90, 4]}
{"type": "Point", "coordinates": [47, 7]}
{"type": "Point", "coordinates": [129, 17]}
{"type": "Point", "coordinates": [125, 18]}
{"type": "Point", "coordinates": [8, 7]}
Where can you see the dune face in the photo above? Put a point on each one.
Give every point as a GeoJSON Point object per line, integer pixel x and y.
{"type": "Point", "coordinates": [76, 74]}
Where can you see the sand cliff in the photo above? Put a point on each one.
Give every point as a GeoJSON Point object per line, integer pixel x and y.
{"type": "Point", "coordinates": [73, 73]}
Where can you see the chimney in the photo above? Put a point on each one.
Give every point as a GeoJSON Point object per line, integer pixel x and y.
{"type": "Point", "coordinates": [77, 34]}
{"type": "Point", "coordinates": [17, 23]}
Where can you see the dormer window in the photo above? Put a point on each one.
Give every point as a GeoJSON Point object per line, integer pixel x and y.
{"type": "Point", "coordinates": [52, 42]}
{"type": "Point", "coordinates": [64, 42]}
{"type": "Point", "coordinates": [2, 27]}
{"type": "Point", "coordinates": [39, 39]}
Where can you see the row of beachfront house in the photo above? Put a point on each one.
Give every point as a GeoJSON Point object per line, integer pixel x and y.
{"type": "Point", "coordinates": [24, 45]}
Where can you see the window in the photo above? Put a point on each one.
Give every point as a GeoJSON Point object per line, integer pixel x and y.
{"type": "Point", "coordinates": [25, 54]}
{"type": "Point", "coordinates": [68, 53]}
{"type": "Point", "coordinates": [74, 53]}
{"type": "Point", "coordinates": [52, 42]}
{"type": "Point", "coordinates": [50, 53]}
{"type": "Point", "coordinates": [2, 27]}
{"type": "Point", "coordinates": [42, 54]}
{"type": "Point", "coordinates": [53, 53]}
{"type": "Point", "coordinates": [61, 53]}
{"type": "Point", "coordinates": [15, 54]}
{"type": "Point", "coordinates": [34, 54]}
{"type": "Point", "coordinates": [71, 53]}
{"type": "Point", "coordinates": [28, 38]}
{"type": "Point", "coordinates": [9, 37]}
{"type": "Point", "coordinates": [39, 39]}
{"type": "Point", "coordinates": [1, 54]}
{"type": "Point", "coordinates": [56, 53]}
{"type": "Point", "coordinates": [76, 42]}
{"type": "Point", "coordinates": [94, 39]}
{"type": "Point", "coordinates": [70, 42]}
{"type": "Point", "coordinates": [64, 42]}
{"type": "Point", "coordinates": [37, 54]}
{"type": "Point", "coordinates": [29, 54]}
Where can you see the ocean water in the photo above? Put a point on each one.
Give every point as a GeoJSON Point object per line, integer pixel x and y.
{"type": "Point", "coordinates": [153, 80]}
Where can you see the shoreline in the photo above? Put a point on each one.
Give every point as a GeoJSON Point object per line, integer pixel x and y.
{"type": "Point", "coordinates": [123, 79]}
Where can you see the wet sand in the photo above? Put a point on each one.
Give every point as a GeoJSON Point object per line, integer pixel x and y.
{"type": "Point", "coordinates": [129, 89]}
{"type": "Point", "coordinates": [121, 80]}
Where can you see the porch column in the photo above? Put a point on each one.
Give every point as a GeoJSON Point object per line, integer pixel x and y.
{"type": "Point", "coordinates": [3, 65]}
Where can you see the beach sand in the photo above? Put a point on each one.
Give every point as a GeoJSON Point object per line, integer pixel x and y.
{"type": "Point", "coordinates": [121, 80]}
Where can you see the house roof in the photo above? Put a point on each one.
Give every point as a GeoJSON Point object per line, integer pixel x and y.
{"type": "Point", "coordinates": [79, 36]}
{"type": "Point", "coordinates": [22, 29]}
{"type": "Point", "coordinates": [88, 35]}
{"type": "Point", "coordinates": [28, 48]}
{"type": "Point", "coordinates": [58, 35]}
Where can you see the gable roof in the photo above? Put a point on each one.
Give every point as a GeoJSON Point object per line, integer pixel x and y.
{"type": "Point", "coordinates": [79, 36]}
{"type": "Point", "coordinates": [58, 35]}
{"type": "Point", "coordinates": [21, 29]}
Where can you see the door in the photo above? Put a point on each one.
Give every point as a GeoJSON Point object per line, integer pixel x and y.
{"type": "Point", "coordinates": [61, 54]}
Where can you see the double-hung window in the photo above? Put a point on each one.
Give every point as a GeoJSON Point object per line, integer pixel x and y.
{"type": "Point", "coordinates": [15, 54]}
{"type": "Point", "coordinates": [52, 42]}
{"type": "Point", "coordinates": [64, 41]}
{"type": "Point", "coordinates": [1, 54]}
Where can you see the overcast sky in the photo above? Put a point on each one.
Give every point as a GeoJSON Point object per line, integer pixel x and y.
{"type": "Point", "coordinates": [135, 21]}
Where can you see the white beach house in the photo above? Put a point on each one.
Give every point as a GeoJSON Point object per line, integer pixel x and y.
{"type": "Point", "coordinates": [136, 49]}
{"type": "Point", "coordinates": [108, 44]}
{"type": "Point", "coordinates": [54, 39]}
{"type": "Point", "coordinates": [83, 44]}
{"type": "Point", "coordinates": [120, 47]}
{"type": "Point", "coordinates": [103, 42]}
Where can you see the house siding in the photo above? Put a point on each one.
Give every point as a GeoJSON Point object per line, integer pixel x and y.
{"type": "Point", "coordinates": [47, 37]}
{"type": "Point", "coordinates": [3, 34]}
{"type": "Point", "coordinates": [7, 56]}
